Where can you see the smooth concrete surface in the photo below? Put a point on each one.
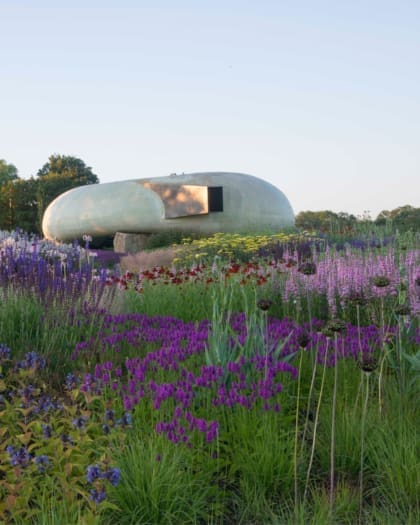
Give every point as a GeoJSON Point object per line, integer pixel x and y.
{"type": "Point", "coordinates": [175, 202]}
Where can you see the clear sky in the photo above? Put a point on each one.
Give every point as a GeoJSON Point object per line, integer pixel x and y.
{"type": "Point", "coordinates": [320, 98]}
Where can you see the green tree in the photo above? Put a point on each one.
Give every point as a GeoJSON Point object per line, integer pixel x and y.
{"type": "Point", "coordinates": [25, 205]}
{"type": "Point", "coordinates": [402, 218]}
{"type": "Point", "coordinates": [18, 205]}
{"type": "Point", "coordinates": [60, 174]}
{"type": "Point", "coordinates": [326, 221]}
{"type": "Point", "coordinates": [316, 220]}
{"type": "Point", "coordinates": [6, 216]}
{"type": "Point", "coordinates": [70, 168]}
{"type": "Point", "coordinates": [8, 172]}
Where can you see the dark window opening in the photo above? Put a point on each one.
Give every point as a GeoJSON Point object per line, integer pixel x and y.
{"type": "Point", "coordinates": [215, 194]}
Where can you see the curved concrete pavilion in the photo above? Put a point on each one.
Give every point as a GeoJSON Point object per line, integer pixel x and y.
{"type": "Point", "coordinates": [194, 202]}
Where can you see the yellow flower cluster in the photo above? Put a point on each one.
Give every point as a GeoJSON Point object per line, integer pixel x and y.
{"type": "Point", "coordinates": [232, 246]}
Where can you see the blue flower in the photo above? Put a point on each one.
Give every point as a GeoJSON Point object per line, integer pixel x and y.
{"type": "Point", "coordinates": [109, 415]}
{"type": "Point", "coordinates": [113, 475]}
{"type": "Point", "coordinates": [71, 381]}
{"type": "Point", "coordinates": [79, 422]}
{"type": "Point", "coordinates": [97, 496]}
{"type": "Point", "coordinates": [32, 360]}
{"type": "Point", "coordinates": [46, 431]}
{"type": "Point", "coordinates": [93, 473]}
{"type": "Point", "coordinates": [42, 462]}
{"type": "Point", "coordinates": [19, 457]}
{"type": "Point", "coordinates": [4, 352]}
{"type": "Point", "coordinates": [125, 420]}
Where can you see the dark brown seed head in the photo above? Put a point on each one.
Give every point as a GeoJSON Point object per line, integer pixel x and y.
{"type": "Point", "coordinates": [303, 339]}
{"type": "Point", "coordinates": [402, 309]}
{"type": "Point", "coordinates": [334, 326]}
{"type": "Point", "coordinates": [381, 281]}
{"type": "Point", "coordinates": [367, 363]}
{"type": "Point", "coordinates": [307, 268]}
{"type": "Point", "coordinates": [357, 299]}
{"type": "Point", "coordinates": [264, 304]}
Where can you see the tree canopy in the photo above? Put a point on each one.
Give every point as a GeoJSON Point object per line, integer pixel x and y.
{"type": "Point", "coordinates": [404, 217]}
{"type": "Point", "coordinates": [23, 201]}
{"type": "Point", "coordinates": [8, 172]}
{"type": "Point", "coordinates": [324, 221]}
{"type": "Point", "coordinates": [69, 168]}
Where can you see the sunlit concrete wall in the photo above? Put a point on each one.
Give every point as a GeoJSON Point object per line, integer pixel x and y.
{"type": "Point", "coordinates": [175, 202]}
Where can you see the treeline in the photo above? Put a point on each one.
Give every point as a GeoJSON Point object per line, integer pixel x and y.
{"type": "Point", "coordinates": [23, 201]}
{"type": "Point", "coordinates": [403, 218]}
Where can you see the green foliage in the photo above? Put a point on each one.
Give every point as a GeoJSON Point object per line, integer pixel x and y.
{"type": "Point", "coordinates": [18, 205]}
{"type": "Point", "coordinates": [23, 201]}
{"type": "Point", "coordinates": [395, 464]}
{"type": "Point", "coordinates": [403, 218]}
{"type": "Point", "coordinates": [166, 239]}
{"type": "Point", "coordinates": [8, 172]}
{"type": "Point", "coordinates": [192, 300]}
{"type": "Point", "coordinates": [164, 484]}
{"type": "Point", "coordinates": [69, 167]}
{"type": "Point", "coordinates": [325, 221]}
{"type": "Point", "coordinates": [47, 444]}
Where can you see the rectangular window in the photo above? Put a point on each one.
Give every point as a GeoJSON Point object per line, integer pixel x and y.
{"type": "Point", "coordinates": [215, 196]}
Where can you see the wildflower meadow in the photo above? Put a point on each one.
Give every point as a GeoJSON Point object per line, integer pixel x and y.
{"type": "Point", "coordinates": [258, 380]}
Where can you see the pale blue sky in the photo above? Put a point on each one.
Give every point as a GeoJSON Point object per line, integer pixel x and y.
{"type": "Point", "coordinates": [320, 98]}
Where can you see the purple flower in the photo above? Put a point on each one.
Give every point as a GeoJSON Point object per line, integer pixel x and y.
{"type": "Point", "coordinates": [66, 440]}
{"type": "Point", "coordinates": [32, 360]}
{"type": "Point", "coordinates": [20, 457]}
{"type": "Point", "coordinates": [125, 420]}
{"type": "Point", "coordinates": [71, 381]}
{"type": "Point", "coordinates": [109, 415]}
{"type": "Point", "coordinates": [93, 473]}
{"type": "Point", "coordinates": [113, 475]}
{"type": "Point", "coordinates": [79, 422]}
{"type": "Point", "coordinates": [97, 496]}
{"type": "Point", "coordinates": [46, 431]}
{"type": "Point", "coordinates": [42, 462]}
{"type": "Point", "coordinates": [4, 352]}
